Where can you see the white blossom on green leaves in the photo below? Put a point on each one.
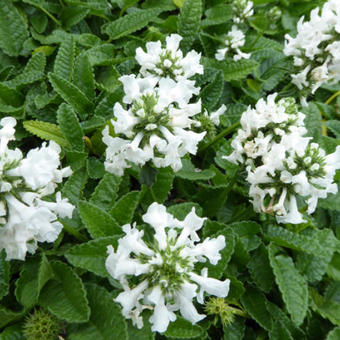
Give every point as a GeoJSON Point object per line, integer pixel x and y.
{"type": "Point", "coordinates": [25, 217]}
{"type": "Point", "coordinates": [281, 163]}
{"type": "Point", "coordinates": [316, 49]}
{"type": "Point", "coordinates": [160, 275]}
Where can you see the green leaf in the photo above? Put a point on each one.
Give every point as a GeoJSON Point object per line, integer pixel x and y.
{"type": "Point", "coordinates": [64, 61]}
{"type": "Point", "coordinates": [46, 131]}
{"type": "Point", "coordinates": [279, 332]}
{"type": "Point", "coordinates": [7, 316]}
{"type": "Point", "coordinates": [189, 172]}
{"type": "Point", "coordinates": [72, 95]}
{"type": "Point", "coordinates": [183, 329]}
{"type": "Point", "coordinates": [313, 121]}
{"type": "Point", "coordinates": [13, 332]}
{"type": "Point", "coordinates": [83, 76]}
{"type": "Point", "coordinates": [76, 159]}
{"type": "Point", "coordinates": [91, 255]}
{"type": "Point", "coordinates": [292, 284]}
{"type": "Point", "coordinates": [105, 193]}
{"type": "Point", "coordinates": [212, 93]}
{"type": "Point", "coordinates": [106, 320]}
{"type": "Point", "coordinates": [163, 184]}
{"type": "Point", "coordinates": [180, 211]}
{"type": "Point", "coordinates": [334, 127]}
{"type": "Point", "coordinates": [13, 29]}
{"type": "Point", "coordinates": [234, 330]}
{"type": "Point", "coordinates": [4, 274]}
{"type": "Point", "coordinates": [312, 267]}
{"type": "Point", "coordinates": [189, 22]}
{"type": "Point", "coordinates": [33, 276]}
{"type": "Point", "coordinates": [95, 168]}
{"type": "Point", "coordinates": [10, 96]}
{"type": "Point", "coordinates": [334, 334]}
{"type": "Point", "coordinates": [217, 15]}
{"type": "Point", "coordinates": [254, 303]}
{"type": "Point", "coordinates": [98, 222]}
{"type": "Point", "coordinates": [65, 296]}
{"type": "Point", "coordinates": [72, 15]}
{"type": "Point", "coordinates": [332, 202]}
{"type": "Point", "coordinates": [232, 70]}
{"type": "Point", "coordinates": [74, 186]}
{"type": "Point", "coordinates": [260, 270]}
{"type": "Point", "coordinates": [130, 23]}
{"type": "Point", "coordinates": [319, 243]}
{"type": "Point", "coordinates": [125, 207]}
{"type": "Point", "coordinates": [70, 127]}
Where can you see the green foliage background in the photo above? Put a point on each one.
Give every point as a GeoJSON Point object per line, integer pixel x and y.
{"type": "Point", "coordinates": [60, 61]}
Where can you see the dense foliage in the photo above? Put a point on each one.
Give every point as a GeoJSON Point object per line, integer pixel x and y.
{"type": "Point", "coordinates": [68, 73]}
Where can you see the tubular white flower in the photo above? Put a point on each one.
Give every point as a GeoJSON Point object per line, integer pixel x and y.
{"type": "Point", "coordinates": [281, 162]}
{"type": "Point", "coordinates": [165, 268]}
{"type": "Point", "coordinates": [26, 218]}
{"type": "Point", "coordinates": [315, 49]}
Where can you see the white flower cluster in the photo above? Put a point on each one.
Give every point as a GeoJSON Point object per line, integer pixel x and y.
{"type": "Point", "coordinates": [316, 48]}
{"type": "Point", "coordinates": [233, 41]}
{"type": "Point", "coordinates": [165, 269]}
{"type": "Point", "coordinates": [281, 162]}
{"type": "Point", "coordinates": [25, 217]}
{"type": "Point", "coordinates": [242, 9]}
{"type": "Point", "coordinates": [157, 120]}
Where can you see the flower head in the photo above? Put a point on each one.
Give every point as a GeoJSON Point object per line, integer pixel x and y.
{"type": "Point", "coordinates": [165, 268]}
{"type": "Point", "coordinates": [25, 216]}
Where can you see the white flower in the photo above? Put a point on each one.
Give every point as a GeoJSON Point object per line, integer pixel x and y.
{"type": "Point", "coordinates": [242, 9]}
{"type": "Point", "coordinates": [26, 218]}
{"type": "Point", "coordinates": [233, 41]}
{"type": "Point", "coordinates": [165, 269]}
{"type": "Point", "coordinates": [315, 49]}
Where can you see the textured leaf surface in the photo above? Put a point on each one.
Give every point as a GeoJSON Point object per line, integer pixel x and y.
{"type": "Point", "coordinates": [125, 207]}
{"type": "Point", "coordinates": [70, 127]}
{"type": "Point", "coordinates": [106, 320]}
{"type": "Point", "coordinates": [189, 22]}
{"type": "Point", "coordinates": [4, 275]}
{"type": "Point", "coordinates": [65, 296]}
{"type": "Point", "coordinates": [98, 222]}
{"type": "Point", "coordinates": [183, 329]}
{"type": "Point", "coordinates": [292, 284]}
{"type": "Point", "coordinates": [91, 255]}
{"type": "Point", "coordinates": [64, 62]}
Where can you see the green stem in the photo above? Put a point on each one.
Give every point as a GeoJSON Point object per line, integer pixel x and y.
{"type": "Point", "coordinates": [153, 195]}
{"type": "Point", "coordinates": [331, 98]}
{"type": "Point", "coordinates": [50, 15]}
{"type": "Point", "coordinates": [222, 134]}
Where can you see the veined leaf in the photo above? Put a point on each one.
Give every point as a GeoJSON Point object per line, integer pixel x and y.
{"type": "Point", "coordinates": [98, 222]}
{"type": "Point", "coordinates": [183, 329]}
{"type": "Point", "coordinates": [73, 187]}
{"type": "Point", "coordinates": [92, 255]}
{"type": "Point", "coordinates": [46, 131]}
{"type": "Point", "coordinates": [130, 23]}
{"type": "Point", "coordinates": [4, 274]}
{"type": "Point", "coordinates": [83, 76]}
{"type": "Point", "coordinates": [211, 93]}
{"type": "Point", "coordinates": [13, 29]}
{"type": "Point", "coordinates": [72, 95]}
{"type": "Point", "coordinates": [125, 207]}
{"type": "Point", "coordinates": [65, 296]}
{"type": "Point", "coordinates": [7, 316]}
{"type": "Point", "coordinates": [70, 127]}
{"type": "Point", "coordinates": [105, 194]}
{"type": "Point", "coordinates": [292, 284]}
{"type": "Point", "coordinates": [63, 65]}
{"type": "Point", "coordinates": [105, 317]}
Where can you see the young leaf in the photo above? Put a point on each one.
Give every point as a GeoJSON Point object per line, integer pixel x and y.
{"type": "Point", "coordinates": [254, 303]}
{"type": "Point", "coordinates": [130, 23]}
{"type": "Point", "coordinates": [184, 329]}
{"type": "Point", "coordinates": [83, 76]}
{"type": "Point", "coordinates": [74, 186]}
{"type": "Point", "coordinates": [65, 296]}
{"type": "Point", "coordinates": [292, 284]}
{"type": "Point", "coordinates": [92, 255]}
{"type": "Point", "coordinates": [72, 95]}
{"type": "Point", "coordinates": [211, 93]}
{"type": "Point", "coordinates": [13, 29]}
{"type": "Point", "coordinates": [105, 193]}
{"type": "Point", "coordinates": [64, 61]}
{"type": "Point", "coordinates": [98, 222]}
{"type": "Point", "coordinates": [125, 207]}
{"type": "Point", "coordinates": [189, 22]}
{"type": "Point", "coordinates": [163, 184]}
{"type": "Point", "coordinates": [4, 274]}
{"type": "Point", "coordinates": [70, 127]}
{"type": "Point", "coordinates": [106, 320]}
{"type": "Point", "coordinates": [46, 131]}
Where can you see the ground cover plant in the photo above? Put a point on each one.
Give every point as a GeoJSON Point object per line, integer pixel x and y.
{"type": "Point", "coordinates": [169, 169]}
